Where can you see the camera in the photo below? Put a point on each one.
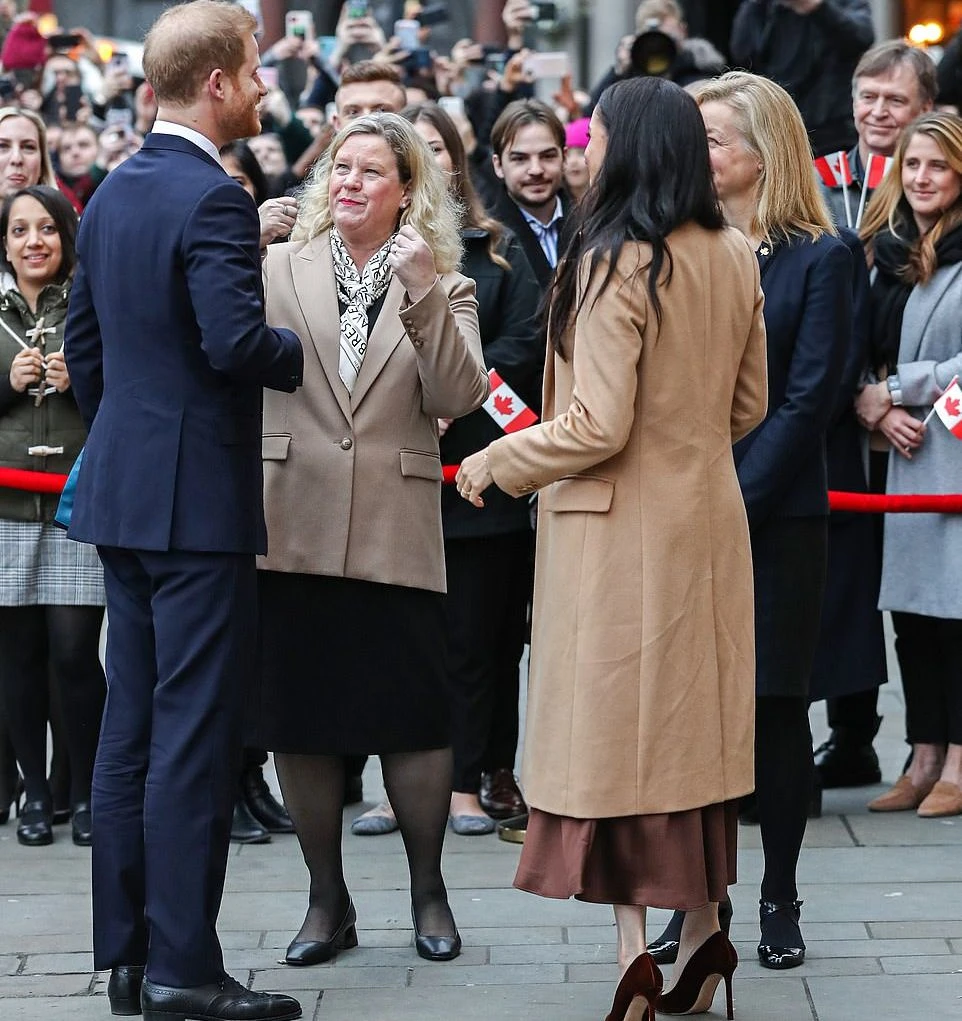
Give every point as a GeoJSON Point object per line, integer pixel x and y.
{"type": "Point", "coordinates": [653, 53]}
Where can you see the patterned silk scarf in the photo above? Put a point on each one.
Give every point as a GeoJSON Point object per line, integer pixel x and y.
{"type": "Point", "coordinates": [357, 291]}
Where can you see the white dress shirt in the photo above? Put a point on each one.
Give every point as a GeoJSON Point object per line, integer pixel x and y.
{"type": "Point", "coordinates": [182, 131]}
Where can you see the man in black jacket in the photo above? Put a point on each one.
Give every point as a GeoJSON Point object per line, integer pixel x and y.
{"type": "Point", "coordinates": [528, 143]}
{"type": "Point", "coordinates": [810, 47]}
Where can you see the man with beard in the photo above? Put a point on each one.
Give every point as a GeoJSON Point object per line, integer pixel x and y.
{"type": "Point", "coordinates": [528, 144]}
{"type": "Point", "coordinates": [168, 352]}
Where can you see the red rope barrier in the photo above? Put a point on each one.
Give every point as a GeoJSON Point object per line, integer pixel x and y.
{"type": "Point", "coordinates": [31, 481]}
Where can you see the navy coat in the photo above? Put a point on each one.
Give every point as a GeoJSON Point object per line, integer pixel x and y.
{"type": "Point", "coordinates": [168, 353]}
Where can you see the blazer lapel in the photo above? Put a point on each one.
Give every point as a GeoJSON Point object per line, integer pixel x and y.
{"type": "Point", "coordinates": [312, 270]}
{"type": "Point", "coordinates": [916, 320]}
{"type": "Point", "coordinates": [388, 332]}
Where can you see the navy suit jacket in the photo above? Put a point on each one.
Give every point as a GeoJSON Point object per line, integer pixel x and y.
{"type": "Point", "coordinates": [168, 351]}
{"type": "Point", "coordinates": [808, 318]}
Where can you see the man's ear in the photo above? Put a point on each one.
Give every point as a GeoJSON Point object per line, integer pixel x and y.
{"type": "Point", "coordinates": [496, 163]}
{"type": "Point", "coordinates": [215, 83]}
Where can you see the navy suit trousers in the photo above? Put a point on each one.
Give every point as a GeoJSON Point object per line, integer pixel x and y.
{"type": "Point", "coordinates": [180, 643]}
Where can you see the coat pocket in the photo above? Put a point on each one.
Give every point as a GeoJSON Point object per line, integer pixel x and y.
{"type": "Point", "coordinates": [274, 446]}
{"type": "Point", "coordinates": [585, 493]}
{"type": "Point", "coordinates": [421, 464]}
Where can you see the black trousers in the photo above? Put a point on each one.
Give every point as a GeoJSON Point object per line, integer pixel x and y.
{"type": "Point", "coordinates": [929, 651]}
{"type": "Point", "coordinates": [181, 645]}
{"type": "Point", "coordinates": [489, 585]}
{"type": "Point", "coordinates": [62, 642]}
{"type": "Point", "coordinates": [858, 713]}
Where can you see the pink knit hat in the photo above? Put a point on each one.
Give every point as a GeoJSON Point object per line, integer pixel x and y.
{"type": "Point", "coordinates": [576, 134]}
{"type": "Point", "coordinates": [24, 47]}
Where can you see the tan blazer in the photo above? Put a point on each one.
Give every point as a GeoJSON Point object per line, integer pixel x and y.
{"type": "Point", "coordinates": [352, 482]}
{"type": "Point", "coordinates": [641, 693]}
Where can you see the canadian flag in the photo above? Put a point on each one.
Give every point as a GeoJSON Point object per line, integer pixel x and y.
{"type": "Point", "coordinates": [506, 407]}
{"type": "Point", "coordinates": [834, 170]}
{"type": "Point", "coordinates": [877, 168]}
{"type": "Point", "coordinates": [949, 408]}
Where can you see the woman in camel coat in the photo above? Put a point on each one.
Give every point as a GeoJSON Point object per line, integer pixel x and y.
{"type": "Point", "coordinates": [641, 695]}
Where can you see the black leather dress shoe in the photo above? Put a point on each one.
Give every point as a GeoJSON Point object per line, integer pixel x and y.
{"type": "Point", "coordinates": [244, 828]}
{"type": "Point", "coordinates": [781, 945]}
{"type": "Point", "coordinates": [436, 948]}
{"type": "Point", "coordinates": [226, 1000]}
{"type": "Point", "coordinates": [265, 808]}
{"type": "Point", "coordinates": [123, 989]}
{"type": "Point", "coordinates": [315, 951]}
{"type": "Point", "coordinates": [81, 824]}
{"type": "Point", "coordinates": [35, 828]}
{"type": "Point", "coordinates": [500, 795]}
{"type": "Point", "coordinates": [847, 758]}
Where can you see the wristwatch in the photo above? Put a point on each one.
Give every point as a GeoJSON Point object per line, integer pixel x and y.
{"type": "Point", "coordinates": [895, 389]}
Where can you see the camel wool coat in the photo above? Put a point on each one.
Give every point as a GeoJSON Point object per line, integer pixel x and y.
{"type": "Point", "coordinates": [642, 684]}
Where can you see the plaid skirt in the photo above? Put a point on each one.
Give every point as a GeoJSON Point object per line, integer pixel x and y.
{"type": "Point", "coordinates": [40, 566]}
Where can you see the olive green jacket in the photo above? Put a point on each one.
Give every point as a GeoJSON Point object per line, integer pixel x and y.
{"type": "Point", "coordinates": [56, 422]}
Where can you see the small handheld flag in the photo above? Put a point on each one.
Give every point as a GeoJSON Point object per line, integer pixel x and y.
{"type": "Point", "coordinates": [506, 407]}
{"type": "Point", "coordinates": [949, 408]}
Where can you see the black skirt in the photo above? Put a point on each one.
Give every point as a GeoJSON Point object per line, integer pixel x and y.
{"type": "Point", "coordinates": [788, 558]}
{"type": "Point", "coordinates": [349, 667]}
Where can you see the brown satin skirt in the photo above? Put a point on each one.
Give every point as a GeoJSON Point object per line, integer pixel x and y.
{"type": "Point", "coordinates": [676, 860]}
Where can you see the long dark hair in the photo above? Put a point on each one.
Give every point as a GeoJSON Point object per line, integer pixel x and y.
{"type": "Point", "coordinates": [64, 217]}
{"type": "Point", "coordinates": [462, 187]}
{"type": "Point", "coordinates": [655, 176]}
{"type": "Point", "coordinates": [247, 161]}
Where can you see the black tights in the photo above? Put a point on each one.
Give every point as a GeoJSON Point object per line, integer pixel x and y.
{"type": "Point", "coordinates": [418, 785]}
{"type": "Point", "coordinates": [784, 772]}
{"type": "Point", "coordinates": [64, 641]}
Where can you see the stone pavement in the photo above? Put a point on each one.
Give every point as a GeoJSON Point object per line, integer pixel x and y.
{"type": "Point", "coordinates": [882, 919]}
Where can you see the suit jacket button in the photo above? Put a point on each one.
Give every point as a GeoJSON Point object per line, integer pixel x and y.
{"type": "Point", "coordinates": [347, 443]}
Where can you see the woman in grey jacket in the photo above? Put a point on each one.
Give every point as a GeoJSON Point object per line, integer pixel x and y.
{"type": "Point", "coordinates": [914, 229]}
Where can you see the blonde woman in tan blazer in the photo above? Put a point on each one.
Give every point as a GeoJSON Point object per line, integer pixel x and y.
{"type": "Point", "coordinates": [352, 586]}
{"type": "Point", "coordinates": [640, 704]}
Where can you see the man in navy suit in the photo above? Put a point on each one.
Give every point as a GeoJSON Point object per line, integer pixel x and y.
{"type": "Point", "coordinates": [168, 353]}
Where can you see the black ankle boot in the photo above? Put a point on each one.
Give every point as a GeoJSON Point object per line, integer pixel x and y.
{"type": "Point", "coordinates": [781, 945]}
{"type": "Point", "coordinates": [265, 808]}
{"type": "Point", "coordinates": [847, 758]}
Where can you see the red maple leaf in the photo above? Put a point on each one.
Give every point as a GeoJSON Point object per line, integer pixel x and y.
{"type": "Point", "coordinates": [504, 406]}
{"type": "Point", "coordinates": [952, 406]}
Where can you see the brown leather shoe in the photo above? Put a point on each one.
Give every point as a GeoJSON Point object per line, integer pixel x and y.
{"type": "Point", "coordinates": [500, 795]}
{"type": "Point", "coordinates": [902, 797]}
{"type": "Point", "coordinates": [944, 799]}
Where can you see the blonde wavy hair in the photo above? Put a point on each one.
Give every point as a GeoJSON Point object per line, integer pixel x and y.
{"type": "Point", "coordinates": [889, 207]}
{"type": "Point", "coordinates": [432, 211]}
{"type": "Point", "coordinates": [789, 202]}
{"type": "Point", "coordinates": [47, 175]}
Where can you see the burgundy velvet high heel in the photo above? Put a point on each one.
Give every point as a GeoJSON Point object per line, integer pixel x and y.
{"type": "Point", "coordinates": [641, 982]}
{"type": "Point", "coordinates": [714, 960]}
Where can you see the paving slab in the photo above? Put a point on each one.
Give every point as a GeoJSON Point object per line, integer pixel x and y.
{"type": "Point", "coordinates": [896, 997]}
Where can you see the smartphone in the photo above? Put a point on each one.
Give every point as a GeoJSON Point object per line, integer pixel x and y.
{"type": "Point", "coordinates": [120, 117]}
{"type": "Point", "coordinates": [495, 61]}
{"type": "Point", "coordinates": [8, 87]}
{"type": "Point", "coordinates": [357, 8]}
{"type": "Point", "coordinates": [408, 34]}
{"type": "Point", "coordinates": [433, 14]}
{"type": "Point", "coordinates": [545, 12]}
{"type": "Point", "coordinates": [419, 60]}
{"type": "Point", "coordinates": [453, 106]}
{"type": "Point", "coordinates": [269, 76]}
{"type": "Point", "coordinates": [299, 24]}
{"type": "Point", "coordinates": [327, 44]}
{"type": "Point", "coordinates": [73, 98]}
{"type": "Point", "coordinates": [547, 65]}
{"type": "Point", "coordinates": [120, 62]}
{"type": "Point", "coordinates": [64, 40]}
